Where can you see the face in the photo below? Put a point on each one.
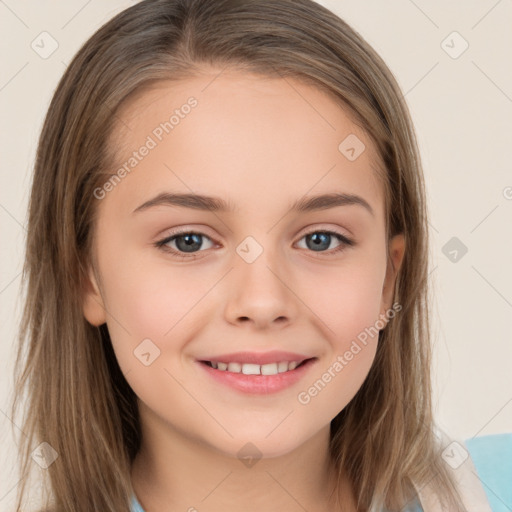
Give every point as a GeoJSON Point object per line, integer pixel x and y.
{"type": "Point", "coordinates": [256, 276]}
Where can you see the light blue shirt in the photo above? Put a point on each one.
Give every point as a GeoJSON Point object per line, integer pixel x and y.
{"type": "Point", "coordinates": [136, 505]}
{"type": "Point", "coordinates": [492, 457]}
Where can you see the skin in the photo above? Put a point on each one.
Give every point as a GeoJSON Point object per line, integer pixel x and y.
{"type": "Point", "coordinates": [261, 144]}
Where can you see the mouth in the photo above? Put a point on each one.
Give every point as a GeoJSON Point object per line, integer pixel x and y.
{"type": "Point", "coordinates": [257, 369]}
{"type": "Point", "coordinates": [256, 379]}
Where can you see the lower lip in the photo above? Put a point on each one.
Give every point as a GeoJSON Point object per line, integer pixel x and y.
{"type": "Point", "coordinates": [259, 384]}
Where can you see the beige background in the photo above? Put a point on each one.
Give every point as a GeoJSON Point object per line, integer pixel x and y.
{"type": "Point", "coordinates": [462, 109]}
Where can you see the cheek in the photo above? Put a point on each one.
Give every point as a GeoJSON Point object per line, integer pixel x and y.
{"type": "Point", "coordinates": [146, 300]}
{"type": "Point", "coordinates": [346, 300]}
{"type": "Point", "coordinates": [348, 305]}
{"type": "Point", "coordinates": [335, 383]}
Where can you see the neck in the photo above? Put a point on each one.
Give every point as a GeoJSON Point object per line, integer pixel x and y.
{"type": "Point", "coordinates": [175, 472]}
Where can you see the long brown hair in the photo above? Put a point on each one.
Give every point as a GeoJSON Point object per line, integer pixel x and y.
{"type": "Point", "coordinates": [77, 399]}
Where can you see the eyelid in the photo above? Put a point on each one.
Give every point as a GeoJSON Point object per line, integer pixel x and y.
{"type": "Point", "coordinates": [181, 231]}
{"type": "Point", "coordinates": [314, 228]}
{"type": "Point", "coordinates": [346, 241]}
{"type": "Point", "coordinates": [185, 230]}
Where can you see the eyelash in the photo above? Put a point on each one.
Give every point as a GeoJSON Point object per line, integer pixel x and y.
{"type": "Point", "coordinates": [161, 244]}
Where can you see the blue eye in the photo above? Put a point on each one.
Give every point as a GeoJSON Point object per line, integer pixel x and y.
{"type": "Point", "coordinates": [319, 239]}
{"type": "Point", "coordinates": [188, 243]}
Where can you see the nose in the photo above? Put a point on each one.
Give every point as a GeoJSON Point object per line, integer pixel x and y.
{"type": "Point", "coordinates": [260, 294]}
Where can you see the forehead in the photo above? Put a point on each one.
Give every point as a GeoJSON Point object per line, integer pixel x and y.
{"type": "Point", "coordinates": [245, 135]}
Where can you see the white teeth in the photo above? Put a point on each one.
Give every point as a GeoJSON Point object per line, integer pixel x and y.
{"type": "Point", "coordinates": [282, 367]}
{"type": "Point", "coordinates": [251, 369]}
{"type": "Point", "coordinates": [234, 367]}
{"type": "Point", "coordinates": [256, 369]}
{"type": "Point", "coordinates": [269, 369]}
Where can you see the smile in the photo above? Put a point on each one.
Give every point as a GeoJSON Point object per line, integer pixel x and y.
{"type": "Point", "coordinates": [252, 378]}
{"type": "Point", "coordinates": [256, 369]}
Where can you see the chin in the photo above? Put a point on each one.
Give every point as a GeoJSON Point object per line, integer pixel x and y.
{"type": "Point", "coordinates": [256, 447]}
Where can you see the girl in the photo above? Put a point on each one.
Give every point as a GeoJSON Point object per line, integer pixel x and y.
{"type": "Point", "coordinates": [188, 343]}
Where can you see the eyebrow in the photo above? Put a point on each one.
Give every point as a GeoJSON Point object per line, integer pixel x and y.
{"type": "Point", "coordinates": [216, 204]}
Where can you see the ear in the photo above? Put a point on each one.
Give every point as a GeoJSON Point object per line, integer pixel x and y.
{"type": "Point", "coordinates": [93, 307]}
{"type": "Point", "coordinates": [395, 258]}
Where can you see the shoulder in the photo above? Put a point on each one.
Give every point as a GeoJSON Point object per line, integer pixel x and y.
{"type": "Point", "coordinates": [492, 458]}
{"type": "Point", "coordinates": [136, 506]}
{"type": "Point", "coordinates": [482, 471]}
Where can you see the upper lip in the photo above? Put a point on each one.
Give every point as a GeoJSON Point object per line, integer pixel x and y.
{"type": "Point", "coordinates": [275, 356]}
